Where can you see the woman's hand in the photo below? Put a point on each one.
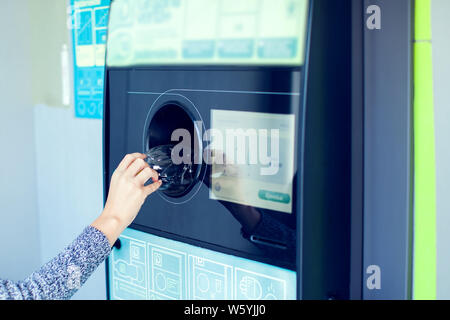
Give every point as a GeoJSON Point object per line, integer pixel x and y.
{"type": "Point", "coordinates": [127, 193]}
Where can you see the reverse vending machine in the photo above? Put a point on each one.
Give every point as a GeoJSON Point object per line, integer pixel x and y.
{"type": "Point", "coordinates": [264, 86]}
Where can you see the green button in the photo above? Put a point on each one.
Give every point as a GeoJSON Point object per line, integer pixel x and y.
{"type": "Point", "coordinates": [274, 196]}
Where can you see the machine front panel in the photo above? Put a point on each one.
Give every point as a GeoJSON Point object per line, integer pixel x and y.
{"type": "Point", "coordinates": [147, 105]}
{"type": "Point", "coordinates": [222, 74]}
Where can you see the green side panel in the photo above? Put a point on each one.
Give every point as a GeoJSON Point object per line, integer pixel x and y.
{"type": "Point", "coordinates": [424, 157]}
{"type": "Point", "coordinates": [423, 20]}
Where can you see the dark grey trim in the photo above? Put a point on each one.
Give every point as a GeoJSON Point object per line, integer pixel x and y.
{"type": "Point", "coordinates": [357, 170]}
{"type": "Point", "coordinates": [388, 138]}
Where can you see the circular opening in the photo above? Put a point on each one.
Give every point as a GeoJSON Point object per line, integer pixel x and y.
{"type": "Point", "coordinates": [165, 121]}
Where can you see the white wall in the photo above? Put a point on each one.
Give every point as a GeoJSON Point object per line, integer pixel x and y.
{"type": "Point", "coordinates": [68, 149]}
{"type": "Point", "coordinates": [441, 75]}
{"type": "Point", "coordinates": [19, 228]}
{"type": "Point", "coordinates": [70, 189]}
{"type": "Point", "coordinates": [51, 162]}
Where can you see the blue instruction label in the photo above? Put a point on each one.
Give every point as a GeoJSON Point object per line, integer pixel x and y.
{"type": "Point", "coordinates": [154, 268]}
{"type": "Point", "coordinates": [89, 22]}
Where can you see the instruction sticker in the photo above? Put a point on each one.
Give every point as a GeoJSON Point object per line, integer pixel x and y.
{"type": "Point", "coordinates": [147, 267]}
{"type": "Point", "coordinates": [248, 32]}
{"type": "Point", "coordinates": [89, 21]}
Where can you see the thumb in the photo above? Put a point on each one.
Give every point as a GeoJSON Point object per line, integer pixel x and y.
{"type": "Point", "coordinates": [152, 187]}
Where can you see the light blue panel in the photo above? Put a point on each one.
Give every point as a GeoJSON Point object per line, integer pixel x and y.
{"type": "Point", "coordinates": [89, 39]}
{"type": "Point", "coordinates": [101, 36]}
{"type": "Point", "coordinates": [208, 32]}
{"type": "Point", "coordinates": [85, 37]}
{"type": "Point", "coordinates": [282, 48]}
{"type": "Point", "coordinates": [151, 267]}
{"type": "Point", "coordinates": [236, 49]}
{"type": "Point", "coordinates": [69, 184]}
{"type": "Point", "coordinates": [199, 49]}
{"type": "Point", "coordinates": [156, 54]}
{"type": "Point", "coordinates": [89, 92]}
{"type": "Point", "coordinates": [101, 17]}
{"type": "Point", "coordinates": [441, 76]}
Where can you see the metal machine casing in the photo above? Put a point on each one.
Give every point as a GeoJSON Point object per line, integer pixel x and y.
{"type": "Point", "coordinates": [314, 238]}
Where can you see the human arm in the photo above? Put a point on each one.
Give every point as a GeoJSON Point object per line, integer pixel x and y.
{"type": "Point", "coordinates": [61, 277]}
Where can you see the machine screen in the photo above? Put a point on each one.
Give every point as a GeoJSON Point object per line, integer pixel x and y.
{"type": "Point", "coordinates": [253, 158]}
{"type": "Point", "coordinates": [145, 32]}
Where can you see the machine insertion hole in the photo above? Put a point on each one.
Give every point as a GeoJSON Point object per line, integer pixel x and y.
{"type": "Point", "coordinates": [165, 121]}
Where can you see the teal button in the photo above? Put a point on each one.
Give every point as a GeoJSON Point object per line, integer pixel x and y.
{"type": "Point", "coordinates": [274, 196]}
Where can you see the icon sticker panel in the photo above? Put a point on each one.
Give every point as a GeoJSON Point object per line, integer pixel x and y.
{"type": "Point", "coordinates": [150, 267]}
{"type": "Point", "coordinates": [129, 270]}
{"type": "Point", "coordinates": [209, 279]}
{"type": "Point", "coordinates": [166, 272]}
{"type": "Point", "coordinates": [254, 286]}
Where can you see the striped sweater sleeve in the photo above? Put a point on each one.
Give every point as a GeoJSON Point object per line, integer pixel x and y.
{"type": "Point", "coordinates": [61, 277]}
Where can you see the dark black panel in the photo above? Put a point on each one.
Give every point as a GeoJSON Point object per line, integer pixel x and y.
{"type": "Point", "coordinates": [357, 173]}
{"type": "Point", "coordinates": [155, 102]}
{"type": "Point", "coordinates": [326, 213]}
